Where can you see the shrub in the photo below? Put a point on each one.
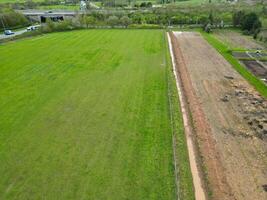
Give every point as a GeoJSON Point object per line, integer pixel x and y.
{"type": "Point", "coordinates": [238, 17]}
{"type": "Point", "coordinates": [90, 20]}
{"type": "Point", "coordinates": [12, 19]}
{"type": "Point", "coordinates": [125, 21]}
{"type": "Point", "coordinates": [113, 21]}
{"type": "Point", "coordinates": [250, 22]}
{"type": "Point", "coordinates": [208, 28]}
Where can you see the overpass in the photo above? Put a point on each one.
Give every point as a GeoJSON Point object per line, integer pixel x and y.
{"type": "Point", "coordinates": [55, 15]}
{"type": "Point", "coordinates": [49, 13]}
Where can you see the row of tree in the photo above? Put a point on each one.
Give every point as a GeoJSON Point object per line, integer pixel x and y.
{"type": "Point", "coordinates": [248, 22]}
{"type": "Point", "coordinates": [10, 19]}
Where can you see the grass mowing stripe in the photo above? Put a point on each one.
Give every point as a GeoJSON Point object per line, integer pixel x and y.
{"type": "Point", "coordinates": [85, 118]}
{"type": "Point", "coordinates": [223, 50]}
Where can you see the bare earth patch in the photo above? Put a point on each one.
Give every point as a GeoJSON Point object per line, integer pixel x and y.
{"type": "Point", "coordinates": [229, 118]}
{"type": "Point", "coordinates": [237, 40]}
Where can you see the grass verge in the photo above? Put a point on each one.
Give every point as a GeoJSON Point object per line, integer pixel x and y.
{"type": "Point", "coordinates": [185, 185]}
{"type": "Point", "coordinates": [224, 51]}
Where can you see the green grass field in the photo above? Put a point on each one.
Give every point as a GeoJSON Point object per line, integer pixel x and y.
{"type": "Point", "coordinates": [84, 115]}
{"type": "Point", "coordinates": [59, 7]}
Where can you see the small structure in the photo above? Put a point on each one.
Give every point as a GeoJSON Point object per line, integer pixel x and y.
{"type": "Point", "coordinates": [82, 5]}
{"type": "Point", "coordinates": [54, 18]}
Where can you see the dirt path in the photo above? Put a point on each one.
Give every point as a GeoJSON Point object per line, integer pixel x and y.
{"type": "Point", "coordinates": [229, 119]}
{"type": "Point", "coordinates": [199, 191]}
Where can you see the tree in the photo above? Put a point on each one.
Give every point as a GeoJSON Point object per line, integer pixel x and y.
{"type": "Point", "coordinates": [250, 22]}
{"type": "Point", "coordinates": [112, 21]}
{"type": "Point", "coordinates": [30, 4]}
{"type": "Point", "coordinates": [264, 10]}
{"type": "Point", "coordinates": [211, 19]}
{"type": "Point", "coordinates": [137, 18]}
{"type": "Point", "coordinates": [125, 21]}
{"type": "Point", "coordinates": [89, 20]}
{"type": "Point", "coordinates": [203, 19]}
{"type": "Point", "coordinates": [143, 5]}
{"type": "Point", "coordinates": [238, 17]}
{"type": "Point", "coordinates": [149, 5]}
{"type": "Point", "coordinates": [81, 19]}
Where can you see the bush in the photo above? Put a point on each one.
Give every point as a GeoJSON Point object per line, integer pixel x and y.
{"type": "Point", "coordinates": [125, 21]}
{"type": "Point", "coordinates": [256, 32]}
{"type": "Point", "coordinates": [146, 5]}
{"type": "Point", "coordinates": [113, 21]}
{"type": "Point", "coordinates": [90, 20]}
{"type": "Point", "coordinates": [13, 19]}
{"type": "Point", "coordinates": [208, 28]}
{"type": "Point", "coordinates": [145, 26]}
{"type": "Point", "coordinates": [238, 17]}
{"type": "Point", "coordinates": [250, 22]}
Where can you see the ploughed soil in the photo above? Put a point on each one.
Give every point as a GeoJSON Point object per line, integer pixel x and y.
{"type": "Point", "coordinates": [256, 68]}
{"type": "Point", "coordinates": [229, 118]}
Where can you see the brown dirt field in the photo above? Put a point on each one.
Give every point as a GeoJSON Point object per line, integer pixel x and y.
{"type": "Point", "coordinates": [257, 69]}
{"type": "Point", "coordinates": [229, 117]}
{"type": "Point", "coordinates": [236, 40]}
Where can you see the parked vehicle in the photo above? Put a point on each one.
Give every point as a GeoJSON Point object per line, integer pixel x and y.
{"type": "Point", "coordinates": [32, 28]}
{"type": "Point", "coordinates": [8, 32]}
{"type": "Point", "coordinates": [49, 11]}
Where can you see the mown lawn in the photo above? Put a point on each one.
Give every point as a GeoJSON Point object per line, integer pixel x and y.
{"type": "Point", "coordinates": [84, 115]}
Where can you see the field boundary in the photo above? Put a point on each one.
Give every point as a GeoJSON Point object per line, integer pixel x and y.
{"type": "Point", "coordinates": [224, 51]}
{"type": "Point", "coordinates": [198, 189]}
{"type": "Point", "coordinates": [185, 187]}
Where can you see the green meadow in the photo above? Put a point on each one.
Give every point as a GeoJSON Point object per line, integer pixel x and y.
{"type": "Point", "coordinates": [85, 115]}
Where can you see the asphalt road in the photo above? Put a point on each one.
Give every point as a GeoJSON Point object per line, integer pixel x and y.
{"type": "Point", "coordinates": [2, 36]}
{"type": "Point", "coordinates": [46, 13]}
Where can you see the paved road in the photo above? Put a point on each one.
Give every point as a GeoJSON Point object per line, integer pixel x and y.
{"type": "Point", "coordinates": [2, 36]}
{"type": "Point", "coordinates": [46, 13]}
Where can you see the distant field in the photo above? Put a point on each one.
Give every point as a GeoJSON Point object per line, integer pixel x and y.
{"type": "Point", "coordinates": [60, 7]}
{"type": "Point", "coordinates": [14, 1]}
{"type": "Point", "coordinates": [197, 2]}
{"type": "Point", "coordinates": [139, 1]}
{"type": "Point", "coordinates": [84, 115]}
{"type": "Point", "coordinates": [234, 39]}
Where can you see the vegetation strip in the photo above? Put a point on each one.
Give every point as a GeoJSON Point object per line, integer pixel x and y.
{"type": "Point", "coordinates": [185, 188]}
{"type": "Point", "coordinates": [224, 51]}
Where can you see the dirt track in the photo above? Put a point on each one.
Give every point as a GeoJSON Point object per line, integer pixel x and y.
{"type": "Point", "coordinates": [196, 175]}
{"type": "Point", "coordinates": [229, 119]}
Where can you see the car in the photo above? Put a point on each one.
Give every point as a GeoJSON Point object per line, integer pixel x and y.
{"type": "Point", "coordinates": [32, 28]}
{"type": "Point", "coordinates": [49, 11]}
{"type": "Point", "coordinates": [8, 32]}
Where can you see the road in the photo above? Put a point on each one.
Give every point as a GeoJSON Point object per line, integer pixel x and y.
{"type": "Point", "coordinates": [2, 36]}
{"type": "Point", "coordinates": [46, 13]}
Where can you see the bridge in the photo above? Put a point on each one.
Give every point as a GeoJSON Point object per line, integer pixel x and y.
{"type": "Point", "coordinates": [55, 15]}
